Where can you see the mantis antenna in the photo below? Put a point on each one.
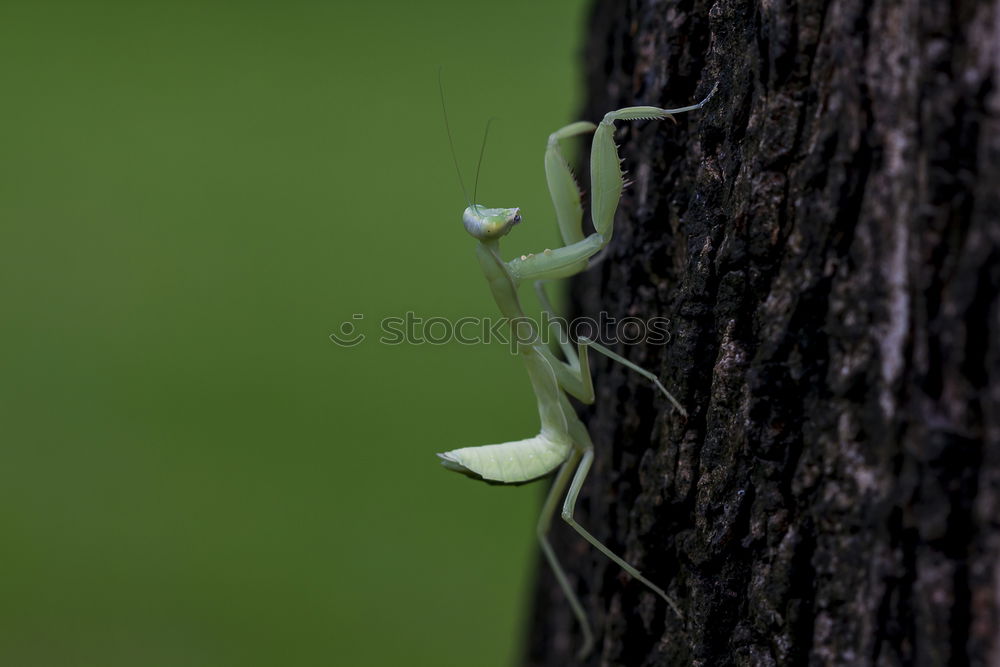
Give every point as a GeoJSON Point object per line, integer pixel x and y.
{"type": "Point", "coordinates": [563, 442]}
{"type": "Point", "coordinates": [479, 165]}
{"type": "Point", "coordinates": [451, 143]}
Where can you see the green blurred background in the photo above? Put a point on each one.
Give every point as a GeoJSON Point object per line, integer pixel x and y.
{"type": "Point", "coordinates": [193, 196]}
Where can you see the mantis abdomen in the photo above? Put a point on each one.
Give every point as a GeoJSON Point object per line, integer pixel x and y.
{"type": "Point", "coordinates": [522, 460]}
{"type": "Point", "coordinates": [510, 462]}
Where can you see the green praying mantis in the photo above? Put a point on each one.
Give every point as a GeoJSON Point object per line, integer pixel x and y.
{"type": "Point", "coordinates": [563, 442]}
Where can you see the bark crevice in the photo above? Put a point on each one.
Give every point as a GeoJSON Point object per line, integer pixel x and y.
{"type": "Point", "coordinates": [825, 238]}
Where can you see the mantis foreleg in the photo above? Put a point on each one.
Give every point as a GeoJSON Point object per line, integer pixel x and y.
{"type": "Point", "coordinates": [606, 183]}
{"type": "Point", "coordinates": [563, 189]}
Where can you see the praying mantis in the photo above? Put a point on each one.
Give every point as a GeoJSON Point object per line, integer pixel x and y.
{"type": "Point", "coordinates": [563, 442]}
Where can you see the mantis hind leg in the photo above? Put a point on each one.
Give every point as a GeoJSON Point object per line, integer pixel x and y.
{"type": "Point", "coordinates": [638, 369]}
{"type": "Point", "coordinates": [569, 505]}
{"type": "Point", "coordinates": [544, 524]}
{"type": "Point", "coordinates": [555, 325]}
{"type": "Point", "coordinates": [574, 374]}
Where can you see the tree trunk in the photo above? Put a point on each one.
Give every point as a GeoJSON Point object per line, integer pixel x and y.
{"type": "Point", "coordinates": [825, 239]}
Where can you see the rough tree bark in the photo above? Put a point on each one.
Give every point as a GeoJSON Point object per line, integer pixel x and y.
{"type": "Point", "coordinates": [825, 239]}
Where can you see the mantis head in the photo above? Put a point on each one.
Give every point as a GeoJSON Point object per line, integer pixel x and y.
{"type": "Point", "coordinates": [487, 224]}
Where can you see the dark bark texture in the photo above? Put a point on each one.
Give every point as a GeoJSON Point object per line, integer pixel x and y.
{"type": "Point", "coordinates": [824, 238]}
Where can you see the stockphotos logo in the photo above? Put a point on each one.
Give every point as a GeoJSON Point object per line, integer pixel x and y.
{"type": "Point", "coordinates": [412, 329]}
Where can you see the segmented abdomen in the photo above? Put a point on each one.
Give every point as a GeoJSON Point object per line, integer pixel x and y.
{"type": "Point", "coordinates": [510, 462]}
